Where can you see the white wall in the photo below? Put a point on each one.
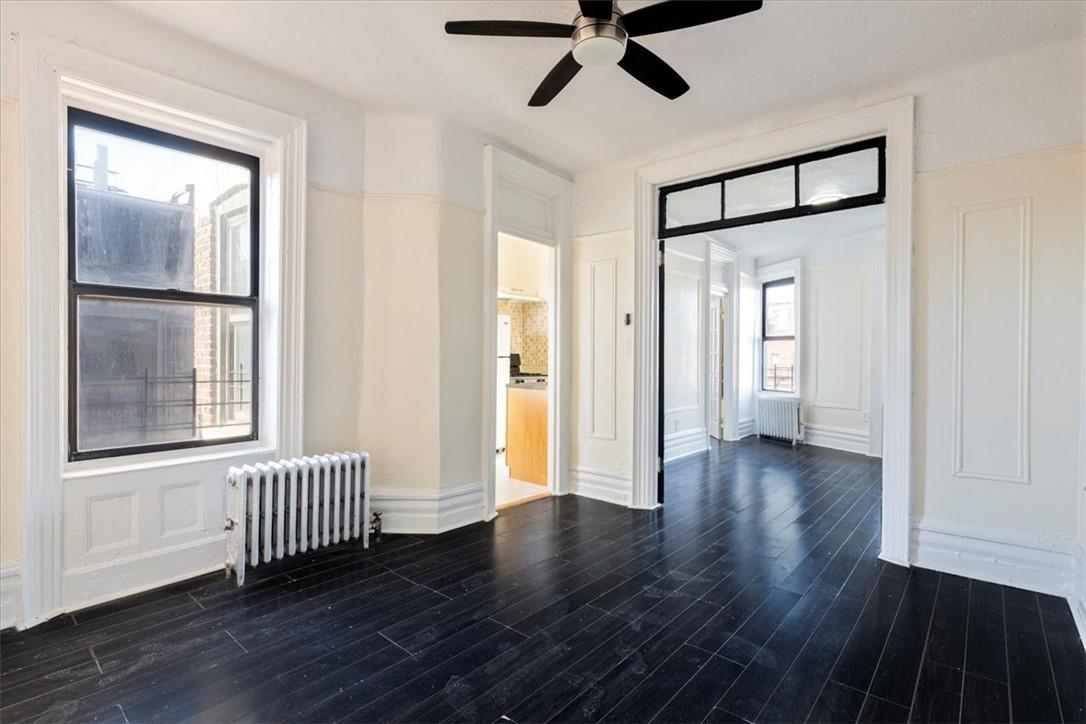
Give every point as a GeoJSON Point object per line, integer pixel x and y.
{"type": "Point", "coordinates": [11, 361]}
{"type": "Point", "coordinates": [965, 114]}
{"type": "Point", "coordinates": [999, 254]}
{"type": "Point", "coordinates": [686, 307]}
{"type": "Point", "coordinates": [836, 367]}
{"type": "Point", "coordinates": [601, 459]}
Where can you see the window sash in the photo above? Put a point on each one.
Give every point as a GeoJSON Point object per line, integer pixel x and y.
{"type": "Point", "coordinates": [78, 289]}
{"type": "Point", "coordinates": [779, 337]}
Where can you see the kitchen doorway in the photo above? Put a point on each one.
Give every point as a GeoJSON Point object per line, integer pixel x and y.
{"type": "Point", "coordinates": [522, 409]}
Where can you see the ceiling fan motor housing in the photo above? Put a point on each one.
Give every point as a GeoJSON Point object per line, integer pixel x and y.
{"type": "Point", "coordinates": [598, 42]}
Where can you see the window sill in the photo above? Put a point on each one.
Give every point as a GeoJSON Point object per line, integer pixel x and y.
{"type": "Point", "coordinates": [166, 459]}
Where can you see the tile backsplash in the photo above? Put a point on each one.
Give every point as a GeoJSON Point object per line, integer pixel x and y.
{"type": "Point", "coordinates": [528, 322]}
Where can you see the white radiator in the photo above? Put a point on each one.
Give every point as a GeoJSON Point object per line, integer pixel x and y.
{"type": "Point", "coordinates": [779, 418]}
{"type": "Point", "coordinates": [280, 508]}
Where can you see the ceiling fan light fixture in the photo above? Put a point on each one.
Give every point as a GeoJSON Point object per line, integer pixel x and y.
{"type": "Point", "coordinates": [599, 51]}
{"type": "Point", "coordinates": [598, 43]}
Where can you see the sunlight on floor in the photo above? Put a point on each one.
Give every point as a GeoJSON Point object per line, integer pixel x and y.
{"type": "Point", "coordinates": [510, 491]}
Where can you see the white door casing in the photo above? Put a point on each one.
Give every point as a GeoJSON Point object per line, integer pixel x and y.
{"type": "Point", "coordinates": [529, 202]}
{"type": "Point", "coordinates": [892, 119]}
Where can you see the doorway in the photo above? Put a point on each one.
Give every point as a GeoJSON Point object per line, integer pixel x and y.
{"type": "Point", "coordinates": [530, 204]}
{"type": "Point", "coordinates": [891, 121]}
{"type": "Point", "coordinates": [522, 414]}
{"type": "Point", "coordinates": [806, 331]}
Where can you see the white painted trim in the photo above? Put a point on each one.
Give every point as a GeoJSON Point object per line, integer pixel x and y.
{"type": "Point", "coordinates": [405, 510]}
{"type": "Point", "coordinates": [685, 442]}
{"type": "Point", "coordinates": [610, 266]}
{"type": "Point", "coordinates": [997, 556]}
{"type": "Point", "coordinates": [10, 595]}
{"type": "Point", "coordinates": [892, 119]}
{"type": "Point", "coordinates": [500, 165]}
{"type": "Point", "coordinates": [746, 427]}
{"type": "Point", "coordinates": [55, 74]}
{"type": "Point", "coordinates": [1022, 474]}
{"type": "Point", "coordinates": [117, 578]}
{"type": "Point", "coordinates": [1077, 594]}
{"type": "Point", "coordinates": [839, 438]}
{"type": "Point", "coordinates": [599, 485]}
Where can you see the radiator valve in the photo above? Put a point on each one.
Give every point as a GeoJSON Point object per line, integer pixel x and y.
{"type": "Point", "coordinates": [375, 527]}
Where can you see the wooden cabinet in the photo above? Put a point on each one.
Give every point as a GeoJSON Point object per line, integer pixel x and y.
{"type": "Point", "coordinates": [523, 268]}
{"type": "Point", "coordinates": [526, 434]}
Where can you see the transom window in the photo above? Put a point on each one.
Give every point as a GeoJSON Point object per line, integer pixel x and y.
{"type": "Point", "coordinates": [838, 178]}
{"type": "Point", "coordinates": [779, 335]}
{"type": "Point", "coordinates": [163, 279]}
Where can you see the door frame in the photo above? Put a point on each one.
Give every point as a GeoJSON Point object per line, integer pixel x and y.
{"type": "Point", "coordinates": [533, 203]}
{"type": "Point", "coordinates": [892, 119]}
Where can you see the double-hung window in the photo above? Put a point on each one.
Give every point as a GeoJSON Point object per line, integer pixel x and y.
{"type": "Point", "coordinates": [163, 290]}
{"type": "Point", "coordinates": [779, 335]}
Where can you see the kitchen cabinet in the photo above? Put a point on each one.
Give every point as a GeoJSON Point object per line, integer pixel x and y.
{"type": "Point", "coordinates": [526, 433]}
{"type": "Point", "coordinates": [523, 268]}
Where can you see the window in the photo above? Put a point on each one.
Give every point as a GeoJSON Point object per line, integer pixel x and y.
{"type": "Point", "coordinates": [163, 279]}
{"type": "Point", "coordinates": [844, 177]}
{"type": "Point", "coordinates": [779, 335]}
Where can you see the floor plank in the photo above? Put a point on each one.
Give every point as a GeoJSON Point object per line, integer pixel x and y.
{"type": "Point", "coordinates": [755, 594]}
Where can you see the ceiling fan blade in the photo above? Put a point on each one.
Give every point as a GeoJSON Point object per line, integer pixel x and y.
{"type": "Point", "coordinates": [599, 9]}
{"type": "Point", "coordinates": [646, 66]}
{"type": "Point", "coordinates": [509, 28]}
{"type": "Point", "coordinates": [678, 14]}
{"type": "Point", "coordinates": [560, 75]}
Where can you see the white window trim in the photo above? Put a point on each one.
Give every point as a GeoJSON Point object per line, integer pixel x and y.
{"type": "Point", "coordinates": [771, 273]}
{"type": "Point", "coordinates": [54, 75]}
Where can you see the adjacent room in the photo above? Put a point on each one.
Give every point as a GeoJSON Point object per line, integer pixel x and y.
{"type": "Point", "coordinates": [543, 361]}
{"type": "Point", "coordinates": [525, 273]}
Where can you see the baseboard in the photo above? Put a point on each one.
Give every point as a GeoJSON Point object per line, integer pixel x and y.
{"type": "Point", "coordinates": [746, 427]}
{"type": "Point", "coordinates": [412, 511]}
{"type": "Point", "coordinates": [686, 442]}
{"type": "Point", "coordinates": [1010, 559]}
{"type": "Point", "coordinates": [1077, 599]}
{"type": "Point", "coordinates": [601, 486]}
{"type": "Point", "coordinates": [848, 439]}
{"type": "Point", "coordinates": [11, 595]}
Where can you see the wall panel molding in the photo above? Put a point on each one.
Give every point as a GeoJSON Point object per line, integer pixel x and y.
{"type": "Point", "coordinates": [981, 286]}
{"type": "Point", "coordinates": [603, 311]}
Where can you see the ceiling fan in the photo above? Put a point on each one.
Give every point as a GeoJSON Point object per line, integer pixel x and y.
{"type": "Point", "coordinates": [601, 35]}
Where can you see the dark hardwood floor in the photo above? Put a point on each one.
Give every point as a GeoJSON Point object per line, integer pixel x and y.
{"type": "Point", "coordinates": [756, 594]}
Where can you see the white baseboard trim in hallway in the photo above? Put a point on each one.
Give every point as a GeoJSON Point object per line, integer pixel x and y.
{"type": "Point", "coordinates": [686, 442]}
{"type": "Point", "coordinates": [1045, 566]}
{"type": "Point", "coordinates": [599, 485]}
{"type": "Point", "coordinates": [413, 511]}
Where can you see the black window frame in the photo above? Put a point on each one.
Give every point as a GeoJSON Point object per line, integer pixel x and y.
{"type": "Point", "coordinates": [779, 337]}
{"type": "Point", "coordinates": [94, 290]}
{"type": "Point", "coordinates": [797, 209]}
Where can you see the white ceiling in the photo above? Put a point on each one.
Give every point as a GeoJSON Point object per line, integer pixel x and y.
{"type": "Point", "coordinates": [395, 55]}
{"type": "Point", "coordinates": [803, 232]}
